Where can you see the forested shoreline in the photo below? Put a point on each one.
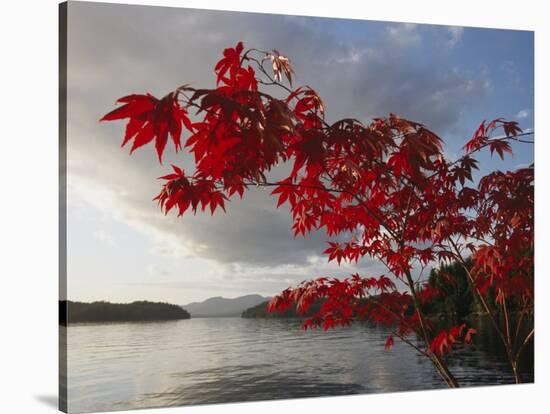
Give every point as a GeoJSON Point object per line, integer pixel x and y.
{"type": "Point", "coordinates": [76, 312]}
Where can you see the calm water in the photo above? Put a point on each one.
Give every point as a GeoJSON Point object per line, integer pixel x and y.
{"type": "Point", "coordinates": [213, 360]}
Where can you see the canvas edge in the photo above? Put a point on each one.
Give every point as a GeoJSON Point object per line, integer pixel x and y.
{"type": "Point", "coordinates": [63, 38]}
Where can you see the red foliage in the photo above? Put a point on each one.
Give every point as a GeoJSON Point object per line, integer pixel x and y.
{"type": "Point", "coordinates": [446, 339]}
{"type": "Point", "coordinates": [151, 119]}
{"type": "Point", "coordinates": [389, 343]}
{"type": "Point", "coordinates": [385, 189]}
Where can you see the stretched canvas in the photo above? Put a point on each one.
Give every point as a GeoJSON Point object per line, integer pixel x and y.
{"type": "Point", "coordinates": [260, 207]}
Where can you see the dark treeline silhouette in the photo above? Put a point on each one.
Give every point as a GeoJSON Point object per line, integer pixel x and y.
{"type": "Point", "coordinates": [260, 311]}
{"type": "Point", "coordinates": [455, 299]}
{"type": "Point", "coordinates": [75, 312]}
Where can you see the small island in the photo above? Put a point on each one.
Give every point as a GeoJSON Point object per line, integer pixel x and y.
{"type": "Point", "coordinates": [76, 312]}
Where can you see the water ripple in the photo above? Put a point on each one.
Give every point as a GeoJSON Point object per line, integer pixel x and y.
{"type": "Point", "coordinates": [215, 360]}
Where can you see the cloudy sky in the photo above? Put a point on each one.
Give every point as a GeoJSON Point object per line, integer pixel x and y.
{"type": "Point", "coordinates": [121, 248]}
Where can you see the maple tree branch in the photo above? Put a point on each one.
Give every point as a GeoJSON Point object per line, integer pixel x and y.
{"type": "Point", "coordinates": [407, 212]}
{"type": "Point", "coordinates": [315, 187]}
{"type": "Point", "coordinates": [188, 103]}
{"type": "Point", "coordinates": [430, 356]}
{"type": "Point", "coordinates": [367, 209]}
{"type": "Point", "coordinates": [522, 314]}
{"type": "Point", "coordinates": [481, 298]}
{"type": "Point", "coordinates": [273, 81]}
{"type": "Point", "coordinates": [443, 372]}
{"type": "Point", "coordinates": [524, 343]}
{"type": "Point", "coordinates": [245, 55]}
{"type": "Point", "coordinates": [440, 363]}
{"type": "Point", "coordinates": [506, 320]}
{"type": "Point", "coordinates": [395, 314]}
{"type": "Point", "coordinates": [423, 267]}
{"type": "Point", "coordinates": [221, 186]}
{"type": "Point", "coordinates": [510, 138]}
{"type": "Point", "coordinates": [420, 351]}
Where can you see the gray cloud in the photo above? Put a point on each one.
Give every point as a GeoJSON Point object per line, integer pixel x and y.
{"type": "Point", "coordinates": [118, 49]}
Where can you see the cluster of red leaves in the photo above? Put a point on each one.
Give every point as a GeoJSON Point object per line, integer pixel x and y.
{"type": "Point", "coordinates": [482, 137]}
{"type": "Point", "coordinates": [446, 339]}
{"type": "Point", "coordinates": [151, 119]}
{"type": "Point", "coordinates": [181, 193]}
{"type": "Point", "coordinates": [375, 299]}
{"type": "Point", "coordinates": [346, 300]}
{"type": "Point", "coordinates": [505, 214]}
{"type": "Point", "coordinates": [385, 187]}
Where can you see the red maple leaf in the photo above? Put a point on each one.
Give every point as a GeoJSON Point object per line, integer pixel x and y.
{"type": "Point", "coordinates": [151, 119]}
{"type": "Point", "coordinates": [389, 343]}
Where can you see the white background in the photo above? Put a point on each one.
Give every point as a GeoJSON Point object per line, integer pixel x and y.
{"type": "Point", "coordinates": [29, 206]}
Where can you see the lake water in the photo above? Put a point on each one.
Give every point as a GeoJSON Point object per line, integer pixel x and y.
{"type": "Point", "coordinates": [214, 360]}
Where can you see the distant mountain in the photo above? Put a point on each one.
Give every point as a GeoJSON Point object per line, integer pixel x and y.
{"type": "Point", "coordinates": [219, 306]}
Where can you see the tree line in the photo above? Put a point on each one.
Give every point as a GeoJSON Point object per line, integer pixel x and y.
{"type": "Point", "coordinates": [75, 312]}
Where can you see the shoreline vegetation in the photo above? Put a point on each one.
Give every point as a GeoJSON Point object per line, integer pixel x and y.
{"type": "Point", "coordinates": [452, 302]}
{"type": "Point", "coordinates": [260, 311]}
{"type": "Point", "coordinates": [139, 311]}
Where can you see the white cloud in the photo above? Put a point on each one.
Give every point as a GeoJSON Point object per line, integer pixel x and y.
{"type": "Point", "coordinates": [403, 35]}
{"type": "Point", "coordinates": [455, 33]}
{"type": "Point", "coordinates": [510, 69]}
{"type": "Point", "coordinates": [524, 113]}
{"type": "Point", "coordinates": [105, 237]}
{"type": "Point", "coordinates": [354, 55]}
{"type": "Point", "coordinates": [155, 270]}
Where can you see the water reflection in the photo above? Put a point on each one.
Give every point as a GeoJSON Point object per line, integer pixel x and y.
{"type": "Point", "coordinates": [200, 361]}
